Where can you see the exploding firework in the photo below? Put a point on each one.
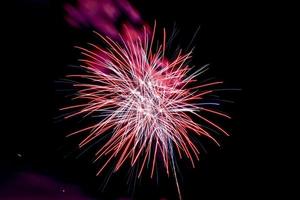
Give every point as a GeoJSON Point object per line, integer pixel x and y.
{"type": "Point", "coordinates": [149, 105]}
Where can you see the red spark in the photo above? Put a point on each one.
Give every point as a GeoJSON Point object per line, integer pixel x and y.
{"type": "Point", "coordinates": [146, 102]}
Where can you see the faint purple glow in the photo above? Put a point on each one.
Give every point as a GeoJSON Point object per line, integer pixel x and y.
{"type": "Point", "coordinates": [102, 15]}
{"type": "Point", "coordinates": [33, 186]}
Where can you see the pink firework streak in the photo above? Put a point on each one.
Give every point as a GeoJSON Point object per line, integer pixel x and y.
{"type": "Point", "coordinates": [148, 104]}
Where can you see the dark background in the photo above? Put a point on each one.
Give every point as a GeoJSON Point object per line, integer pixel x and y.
{"type": "Point", "coordinates": [232, 39]}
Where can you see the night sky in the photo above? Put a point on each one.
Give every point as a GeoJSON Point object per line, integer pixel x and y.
{"type": "Point", "coordinates": [38, 162]}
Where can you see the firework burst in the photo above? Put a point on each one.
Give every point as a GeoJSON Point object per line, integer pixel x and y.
{"type": "Point", "coordinates": [148, 104]}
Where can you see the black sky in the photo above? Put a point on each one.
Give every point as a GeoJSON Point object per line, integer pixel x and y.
{"type": "Point", "coordinates": [232, 39]}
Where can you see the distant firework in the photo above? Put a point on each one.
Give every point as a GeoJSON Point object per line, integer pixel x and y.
{"type": "Point", "coordinates": [149, 105]}
{"type": "Point", "coordinates": [103, 15]}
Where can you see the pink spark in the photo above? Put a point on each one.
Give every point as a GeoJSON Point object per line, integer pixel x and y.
{"type": "Point", "coordinates": [148, 103]}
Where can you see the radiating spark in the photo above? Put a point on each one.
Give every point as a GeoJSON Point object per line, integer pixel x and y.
{"type": "Point", "coordinates": [150, 105]}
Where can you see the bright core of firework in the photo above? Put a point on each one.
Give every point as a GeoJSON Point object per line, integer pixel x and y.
{"type": "Point", "coordinates": [149, 105]}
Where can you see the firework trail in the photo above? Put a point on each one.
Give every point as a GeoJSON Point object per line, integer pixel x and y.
{"type": "Point", "coordinates": [148, 104]}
